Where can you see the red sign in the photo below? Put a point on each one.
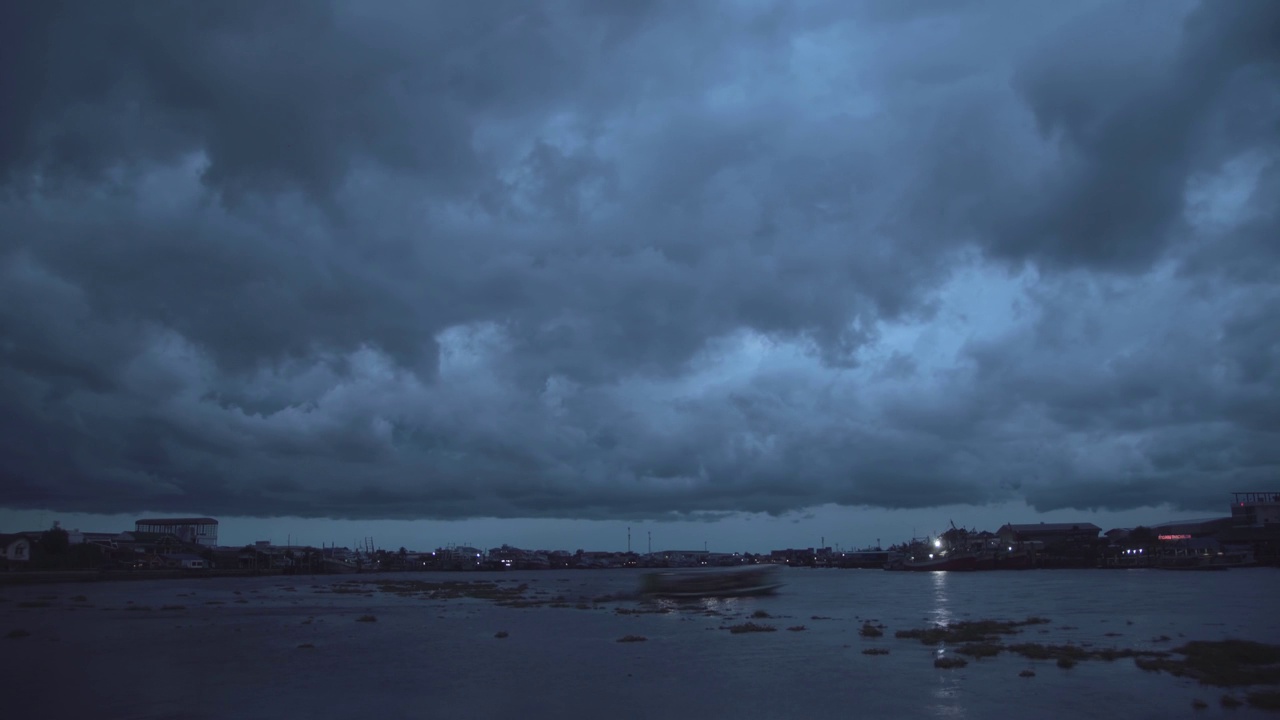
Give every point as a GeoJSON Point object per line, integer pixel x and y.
{"type": "Point", "coordinates": [1175, 537]}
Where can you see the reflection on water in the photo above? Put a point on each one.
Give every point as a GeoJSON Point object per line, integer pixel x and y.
{"type": "Point", "coordinates": [946, 696]}
{"type": "Point", "coordinates": [947, 700]}
{"type": "Point", "coordinates": [941, 605]}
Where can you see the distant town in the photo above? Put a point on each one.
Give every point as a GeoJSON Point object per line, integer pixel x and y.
{"type": "Point", "coordinates": [154, 547]}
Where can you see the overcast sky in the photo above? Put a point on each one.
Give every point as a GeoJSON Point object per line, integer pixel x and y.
{"type": "Point", "coordinates": [561, 267]}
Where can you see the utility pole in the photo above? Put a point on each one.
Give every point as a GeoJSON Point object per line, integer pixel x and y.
{"type": "Point", "coordinates": [628, 539]}
{"type": "Point", "coordinates": [650, 541]}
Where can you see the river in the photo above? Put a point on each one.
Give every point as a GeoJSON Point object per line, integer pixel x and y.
{"type": "Point", "coordinates": [283, 647]}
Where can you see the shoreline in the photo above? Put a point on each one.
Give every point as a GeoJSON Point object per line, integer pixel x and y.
{"type": "Point", "coordinates": [53, 577]}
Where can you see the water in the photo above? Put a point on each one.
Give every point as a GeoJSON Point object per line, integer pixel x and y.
{"type": "Point", "coordinates": [233, 650]}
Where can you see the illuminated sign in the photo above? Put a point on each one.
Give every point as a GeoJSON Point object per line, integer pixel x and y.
{"type": "Point", "coordinates": [1175, 537]}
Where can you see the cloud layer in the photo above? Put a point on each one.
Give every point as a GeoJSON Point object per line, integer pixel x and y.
{"type": "Point", "coordinates": [645, 260]}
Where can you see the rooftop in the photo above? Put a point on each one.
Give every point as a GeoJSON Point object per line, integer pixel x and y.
{"type": "Point", "coordinates": [1053, 527]}
{"type": "Point", "coordinates": [1199, 521]}
{"type": "Point", "coordinates": [1256, 497]}
{"type": "Point", "coordinates": [178, 521]}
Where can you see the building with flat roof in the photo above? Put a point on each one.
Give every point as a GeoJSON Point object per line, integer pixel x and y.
{"type": "Point", "coordinates": [197, 531]}
{"type": "Point", "coordinates": [1256, 509]}
{"type": "Point", "coordinates": [1049, 533]}
{"type": "Point", "coordinates": [1187, 529]}
{"type": "Point", "coordinates": [15, 551]}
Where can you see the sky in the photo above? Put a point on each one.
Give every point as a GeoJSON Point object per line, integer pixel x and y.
{"type": "Point", "coordinates": [751, 274]}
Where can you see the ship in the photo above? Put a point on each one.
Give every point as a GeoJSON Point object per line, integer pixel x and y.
{"type": "Point", "coordinates": [947, 552]}
{"type": "Point", "coordinates": [950, 561]}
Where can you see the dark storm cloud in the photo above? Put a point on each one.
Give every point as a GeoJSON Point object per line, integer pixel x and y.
{"type": "Point", "coordinates": [277, 95]}
{"type": "Point", "coordinates": [1131, 125]}
{"type": "Point", "coordinates": [629, 260]}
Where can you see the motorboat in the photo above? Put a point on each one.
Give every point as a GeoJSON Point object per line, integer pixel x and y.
{"type": "Point", "coordinates": [735, 582]}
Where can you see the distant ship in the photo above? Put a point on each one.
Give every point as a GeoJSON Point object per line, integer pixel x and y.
{"type": "Point", "coordinates": [945, 561]}
{"type": "Point", "coordinates": [960, 550]}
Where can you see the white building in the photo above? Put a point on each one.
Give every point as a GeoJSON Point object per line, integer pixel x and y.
{"type": "Point", "coordinates": [15, 550]}
{"type": "Point", "coordinates": [199, 531]}
{"type": "Point", "coordinates": [185, 561]}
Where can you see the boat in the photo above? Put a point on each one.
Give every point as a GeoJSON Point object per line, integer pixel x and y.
{"type": "Point", "coordinates": [341, 567]}
{"type": "Point", "coordinates": [990, 560]}
{"type": "Point", "coordinates": [946, 561]}
{"type": "Point", "coordinates": [949, 551]}
{"type": "Point", "coordinates": [738, 582]}
{"type": "Point", "coordinates": [869, 558]}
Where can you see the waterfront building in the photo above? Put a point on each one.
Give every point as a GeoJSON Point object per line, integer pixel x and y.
{"type": "Point", "coordinates": [458, 557]}
{"type": "Point", "coordinates": [513, 558]}
{"type": "Point", "coordinates": [1051, 534]}
{"type": "Point", "coordinates": [1190, 529]}
{"type": "Point", "coordinates": [15, 551]}
{"type": "Point", "coordinates": [685, 558]}
{"type": "Point", "coordinates": [186, 561]}
{"type": "Point", "coordinates": [1256, 523]}
{"type": "Point", "coordinates": [196, 531]}
{"type": "Point", "coordinates": [1255, 509]}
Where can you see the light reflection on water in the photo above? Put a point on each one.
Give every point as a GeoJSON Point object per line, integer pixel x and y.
{"type": "Point", "coordinates": [946, 695]}
{"type": "Point", "coordinates": [948, 702]}
{"type": "Point", "coordinates": [941, 607]}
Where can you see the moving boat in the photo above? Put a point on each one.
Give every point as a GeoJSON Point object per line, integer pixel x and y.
{"type": "Point", "coordinates": [738, 582]}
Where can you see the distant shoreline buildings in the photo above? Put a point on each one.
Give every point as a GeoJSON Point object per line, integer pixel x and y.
{"type": "Point", "coordinates": [191, 544]}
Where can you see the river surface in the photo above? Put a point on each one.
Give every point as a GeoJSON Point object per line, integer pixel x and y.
{"type": "Point", "coordinates": [238, 648]}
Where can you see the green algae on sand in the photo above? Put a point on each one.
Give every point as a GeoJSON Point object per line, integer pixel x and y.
{"type": "Point", "coordinates": [750, 627]}
{"type": "Point", "coordinates": [1222, 663]}
{"type": "Point", "coordinates": [969, 631]}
